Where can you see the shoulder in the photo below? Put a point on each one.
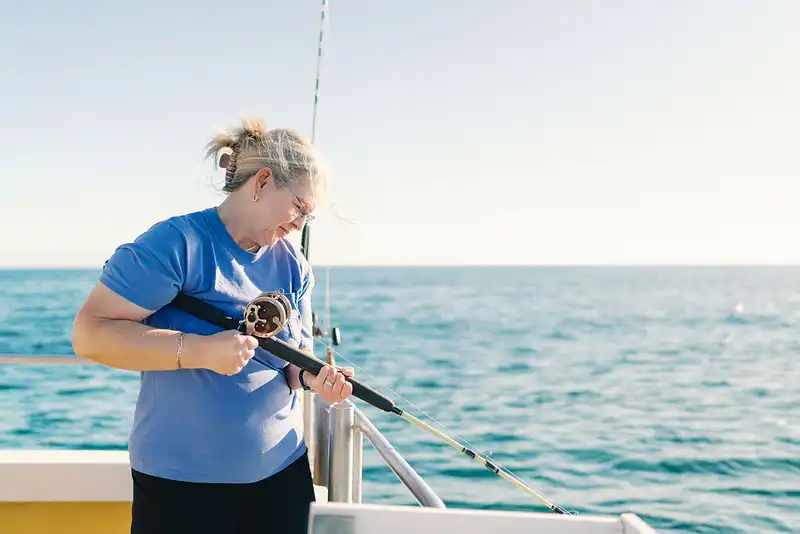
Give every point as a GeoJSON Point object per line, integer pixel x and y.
{"type": "Point", "coordinates": [163, 233]}
{"type": "Point", "coordinates": [152, 267]}
{"type": "Point", "coordinates": [183, 227]}
{"type": "Point", "coordinates": [173, 235]}
{"type": "Point", "coordinates": [177, 227]}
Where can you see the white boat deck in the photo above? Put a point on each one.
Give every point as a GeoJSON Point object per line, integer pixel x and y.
{"type": "Point", "coordinates": [342, 518]}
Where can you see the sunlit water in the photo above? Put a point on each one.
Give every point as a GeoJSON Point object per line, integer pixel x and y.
{"type": "Point", "coordinates": [670, 392]}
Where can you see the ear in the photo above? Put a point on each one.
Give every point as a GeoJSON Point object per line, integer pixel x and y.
{"type": "Point", "coordinates": [262, 177]}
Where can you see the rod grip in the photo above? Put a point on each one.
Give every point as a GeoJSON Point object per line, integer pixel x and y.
{"type": "Point", "coordinates": [313, 365]}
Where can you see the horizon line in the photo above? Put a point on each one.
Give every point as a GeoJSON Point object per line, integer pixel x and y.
{"type": "Point", "coordinates": [441, 265]}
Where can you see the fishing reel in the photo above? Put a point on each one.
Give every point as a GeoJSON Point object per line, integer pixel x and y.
{"type": "Point", "coordinates": [266, 315]}
{"type": "Point", "coordinates": [269, 313]}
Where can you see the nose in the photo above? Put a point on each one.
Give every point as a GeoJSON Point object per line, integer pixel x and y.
{"type": "Point", "coordinates": [298, 222]}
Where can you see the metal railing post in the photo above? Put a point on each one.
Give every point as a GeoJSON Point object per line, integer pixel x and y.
{"type": "Point", "coordinates": [322, 440]}
{"type": "Point", "coordinates": [342, 416]}
{"type": "Point", "coordinates": [358, 461]}
{"type": "Point", "coordinates": [309, 434]}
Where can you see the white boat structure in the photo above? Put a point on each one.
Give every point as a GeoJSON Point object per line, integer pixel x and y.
{"type": "Point", "coordinates": [89, 491]}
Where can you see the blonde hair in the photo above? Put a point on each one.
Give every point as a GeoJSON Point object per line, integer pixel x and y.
{"type": "Point", "coordinates": [251, 147]}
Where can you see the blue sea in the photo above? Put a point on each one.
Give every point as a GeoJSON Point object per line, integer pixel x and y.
{"type": "Point", "coordinates": [669, 392]}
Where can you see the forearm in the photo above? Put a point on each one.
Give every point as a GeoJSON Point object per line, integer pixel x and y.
{"type": "Point", "coordinates": [131, 345]}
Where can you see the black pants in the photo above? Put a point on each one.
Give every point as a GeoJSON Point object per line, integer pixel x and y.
{"type": "Point", "coordinates": [277, 504]}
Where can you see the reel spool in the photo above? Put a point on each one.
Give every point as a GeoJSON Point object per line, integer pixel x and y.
{"type": "Point", "coordinates": [267, 314]}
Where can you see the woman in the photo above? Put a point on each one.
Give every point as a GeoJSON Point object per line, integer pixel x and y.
{"type": "Point", "coordinates": [217, 443]}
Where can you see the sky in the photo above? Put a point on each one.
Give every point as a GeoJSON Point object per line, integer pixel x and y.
{"type": "Point", "coordinates": [479, 132]}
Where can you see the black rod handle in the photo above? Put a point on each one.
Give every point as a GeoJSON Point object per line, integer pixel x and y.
{"type": "Point", "coordinates": [313, 365]}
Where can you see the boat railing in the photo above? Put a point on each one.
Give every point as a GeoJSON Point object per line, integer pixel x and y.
{"type": "Point", "coordinates": [338, 452]}
{"type": "Point", "coordinates": [334, 434]}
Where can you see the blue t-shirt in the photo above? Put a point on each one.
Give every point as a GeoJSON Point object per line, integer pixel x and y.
{"type": "Point", "coordinates": [194, 424]}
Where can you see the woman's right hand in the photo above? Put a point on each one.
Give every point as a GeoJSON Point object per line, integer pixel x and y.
{"type": "Point", "coordinates": [225, 352]}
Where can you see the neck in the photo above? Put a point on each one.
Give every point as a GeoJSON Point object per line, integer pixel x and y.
{"type": "Point", "coordinates": [234, 221]}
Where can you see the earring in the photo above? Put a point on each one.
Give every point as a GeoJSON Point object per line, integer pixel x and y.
{"type": "Point", "coordinates": [255, 198]}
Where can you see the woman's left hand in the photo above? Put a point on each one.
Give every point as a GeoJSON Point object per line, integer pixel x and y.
{"type": "Point", "coordinates": [330, 382]}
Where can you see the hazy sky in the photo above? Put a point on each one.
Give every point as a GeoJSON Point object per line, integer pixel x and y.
{"type": "Point", "coordinates": [478, 131]}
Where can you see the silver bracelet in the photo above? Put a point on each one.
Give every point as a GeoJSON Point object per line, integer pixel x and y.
{"type": "Point", "coordinates": [180, 350]}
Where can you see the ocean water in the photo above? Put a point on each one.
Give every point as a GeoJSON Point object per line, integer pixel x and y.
{"type": "Point", "coordinates": [670, 392]}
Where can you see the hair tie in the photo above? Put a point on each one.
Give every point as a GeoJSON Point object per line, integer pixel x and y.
{"type": "Point", "coordinates": [230, 164]}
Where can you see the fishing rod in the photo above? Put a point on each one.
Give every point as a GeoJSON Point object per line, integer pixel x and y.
{"type": "Point", "coordinates": [268, 314]}
{"type": "Point", "coordinates": [305, 239]}
{"type": "Point", "coordinates": [306, 236]}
